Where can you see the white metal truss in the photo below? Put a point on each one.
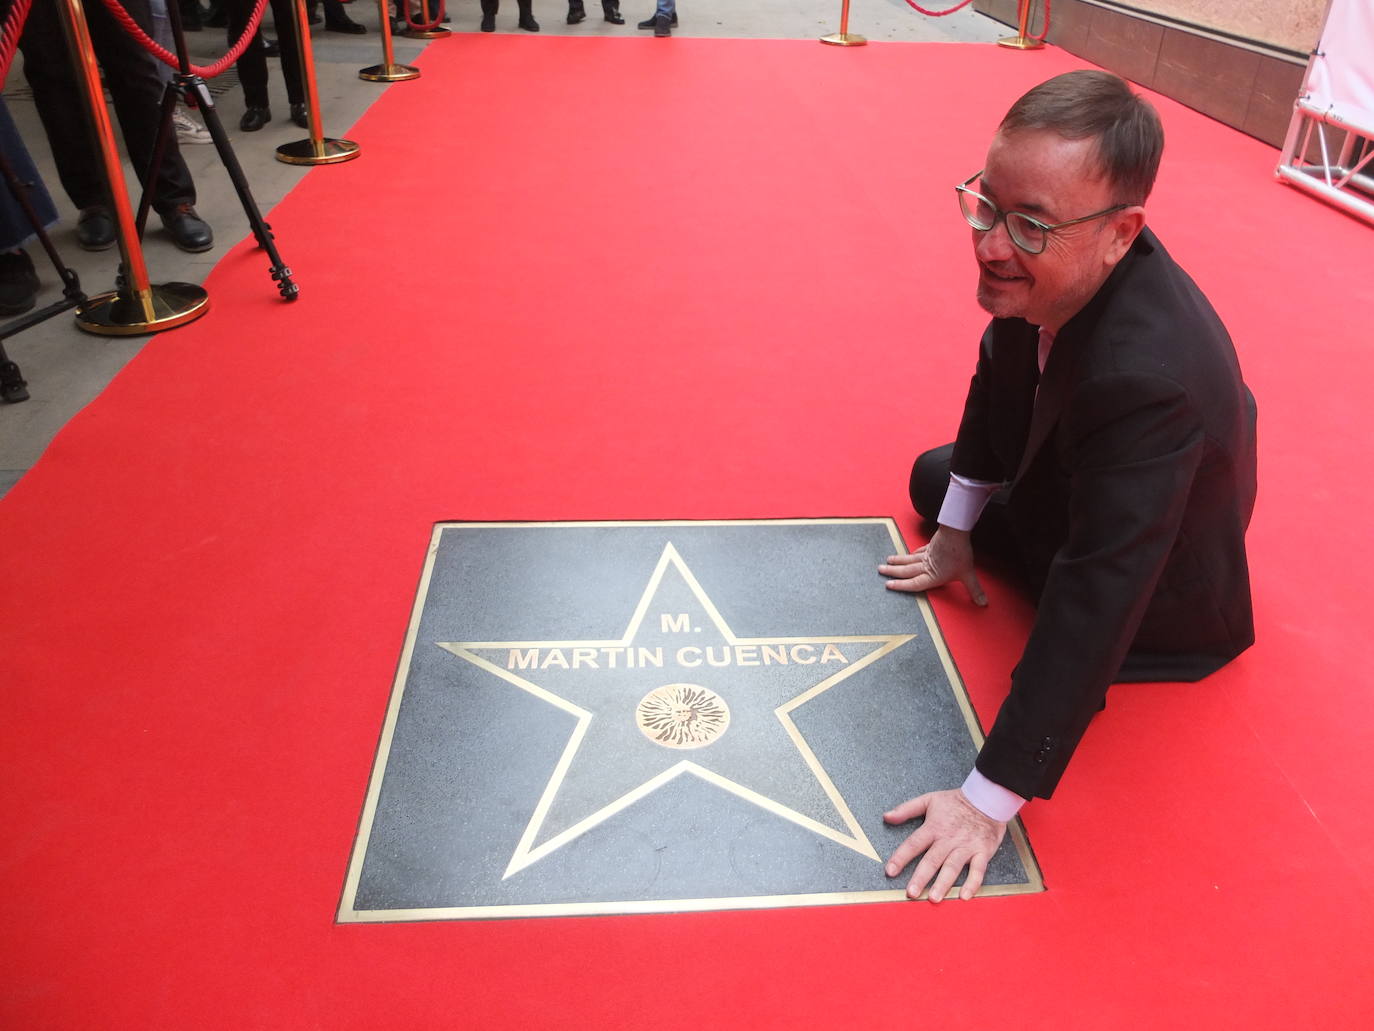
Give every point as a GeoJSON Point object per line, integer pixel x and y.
{"type": "Point", "coordinates": [1329, 150]}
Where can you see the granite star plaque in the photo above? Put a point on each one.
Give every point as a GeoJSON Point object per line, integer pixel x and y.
{"type": "Point", "coordinates": [657, 717]}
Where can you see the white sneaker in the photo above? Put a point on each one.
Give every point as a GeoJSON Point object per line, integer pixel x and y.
{"type": "Point", "coordinates": [188, 129]}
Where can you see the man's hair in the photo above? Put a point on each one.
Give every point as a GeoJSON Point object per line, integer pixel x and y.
{"type": "Point", "coordinates": [1097, 104]}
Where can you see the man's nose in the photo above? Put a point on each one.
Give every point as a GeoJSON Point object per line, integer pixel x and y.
{"type": "Point", "coordinates": [994, 244]}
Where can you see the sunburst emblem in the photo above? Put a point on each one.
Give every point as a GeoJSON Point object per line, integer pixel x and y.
{"type": "Point", "coordinates": [682, 716]}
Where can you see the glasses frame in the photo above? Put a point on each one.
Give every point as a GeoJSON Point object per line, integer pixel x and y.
{"type": "Point", "coordinates": [1001, 216]}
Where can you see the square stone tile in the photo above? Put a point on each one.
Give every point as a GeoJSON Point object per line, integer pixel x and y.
{"type": "Point", "coordinates": [653, 717]}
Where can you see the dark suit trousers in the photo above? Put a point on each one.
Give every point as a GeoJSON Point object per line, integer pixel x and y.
{"type": "Point", "coordinates": [252, 65]}
{"type": "Point", "coordinates": [992, 536]}
{"type": "Point", "coordinates": [493, 6]}
{"type": "Point", "coordinates": [131, 76]}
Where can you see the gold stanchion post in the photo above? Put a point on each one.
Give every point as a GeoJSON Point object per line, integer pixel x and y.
{"type": "Point", "coordinates": [1021, 41]}
{"type": "Point", "coordinates": [388, 70]}
{"type": "Point", "coordinates": [434, 33]}
{"type": "Point", "coordinates": [844, 38]}
{"type": "Point", "coordinates": [317, 150]}
{"type": "Point", "coordinates": [136, 306]}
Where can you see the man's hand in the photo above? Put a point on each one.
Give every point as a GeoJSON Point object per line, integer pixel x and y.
{"type": "Point", "coordinates": [953, 836]}
{"type": "Point", "coordinates": [948, 557]}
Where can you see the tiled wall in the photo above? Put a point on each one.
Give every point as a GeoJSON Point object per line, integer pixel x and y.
{"type": "Point", "coordinates": [1244, 87]}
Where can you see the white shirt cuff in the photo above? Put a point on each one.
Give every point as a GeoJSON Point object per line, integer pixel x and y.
{"type": "Point", "coordinates": [991, 799]}
{"type": "Point", "coordinates": [964, 502]}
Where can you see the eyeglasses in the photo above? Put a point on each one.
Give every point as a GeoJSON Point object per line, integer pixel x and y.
{"type": "Point", "coordinates": [1030, 234]}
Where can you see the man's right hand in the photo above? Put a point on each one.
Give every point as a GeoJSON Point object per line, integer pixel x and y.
{"type": "Point", "coordinates": [948, 557]}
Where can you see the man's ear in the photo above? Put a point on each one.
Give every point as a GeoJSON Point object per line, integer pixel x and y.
{"type": "Point", "coordinates": [1125, 227]}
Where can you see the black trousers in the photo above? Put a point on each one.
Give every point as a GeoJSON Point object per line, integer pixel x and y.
{"type": "Point", "coordinates": [993, 536]}
{"type": "Point", "coordinates": [131, 76]}
{"type": "Point", "coordinates": [252, 65]}
{"type": "Point", "coordinates": [492, 6]}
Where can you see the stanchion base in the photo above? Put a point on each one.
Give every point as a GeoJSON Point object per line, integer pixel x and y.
{"type": "Point", "coordinates": [389, 73]}
{"type": "Point", "coordinates": [117, 315]}
{"type": "Point", "coordinates": [329, 152]}
{"type": "Point", "coordinates": [845, 39]}
{"type": "Point", "coordinates": [1021, 43]}
{"type": "Point", "coordinates": [433, 33]}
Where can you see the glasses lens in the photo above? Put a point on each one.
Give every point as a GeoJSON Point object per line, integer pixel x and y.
{"type": "Point", "coordinates": [978, 210]}
{"type": "Point", "coordinates": [1025, 234]}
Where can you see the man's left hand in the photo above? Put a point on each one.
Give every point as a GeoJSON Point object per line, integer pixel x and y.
{"type": "Point", "coordinates": [953, 836]}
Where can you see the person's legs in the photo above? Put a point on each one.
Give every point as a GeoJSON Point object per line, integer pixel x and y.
{"type": "Point", "coordinates": [288, 40]}
{"type": "Point", "coordinates": [252, 63]}
{"type": "Point", "coordinates": [490, 8]}
{"type": "Point", "coordinates": [61, 108]}
{"type": "Point", "coordinates": [18, 278]}
{"type": "Point", "coordinates": [930, 479]}
{"type": "Point", "coordinates": [131, 77]}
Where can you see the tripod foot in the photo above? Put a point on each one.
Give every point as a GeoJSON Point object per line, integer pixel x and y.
{"type": "Point", "coordinates": [282, 275]}
{"type": "Point", "coordinates": [12, 384]}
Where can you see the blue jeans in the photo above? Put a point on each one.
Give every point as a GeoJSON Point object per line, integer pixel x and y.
{"type": "Point", "coordinates": [667, 8]}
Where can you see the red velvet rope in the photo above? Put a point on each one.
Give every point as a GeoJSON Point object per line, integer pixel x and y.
{"type": "Point", "coordinates": [166, 57]}
{"type": "Point", "coordinates": [938, 14]}
{"type": "Point", "coordinates": [959, 7]}
{"type": "Point", "coordinates": [437, 6]}
{"type": "Point", "coordinates": [9, 35]}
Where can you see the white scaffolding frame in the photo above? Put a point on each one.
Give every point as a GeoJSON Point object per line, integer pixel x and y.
{"type": "Point", "coordinates": [1329, 150]}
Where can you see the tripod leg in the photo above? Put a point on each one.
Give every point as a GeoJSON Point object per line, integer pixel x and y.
{"type": "Point", "coordinates": [164, 133]}
{"type": "Point", "coordinates": [12, 386]}
{"type": "Point", "coordinates": [195, 86]}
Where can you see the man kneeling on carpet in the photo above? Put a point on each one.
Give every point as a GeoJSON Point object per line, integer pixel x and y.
{"type": "Point", "coordinates": [1107, 450]}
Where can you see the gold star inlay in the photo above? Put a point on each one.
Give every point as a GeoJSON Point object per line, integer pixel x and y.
{"type": "Point", "coordinates": [679, 682]}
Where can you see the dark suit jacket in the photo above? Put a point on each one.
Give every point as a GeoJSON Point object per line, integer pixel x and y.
{"type": "Point", "coordinates": [1132, 479]}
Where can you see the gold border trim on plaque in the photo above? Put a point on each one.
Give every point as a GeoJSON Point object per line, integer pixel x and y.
{"type": "Point", "coordinates": [526, 854]}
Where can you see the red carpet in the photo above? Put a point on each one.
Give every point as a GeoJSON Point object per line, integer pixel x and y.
{"type": "Point", "coordinates": [576, 279]}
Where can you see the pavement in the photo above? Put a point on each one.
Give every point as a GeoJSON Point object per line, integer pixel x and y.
{"type": "Point", "coordinates": [66, 368]}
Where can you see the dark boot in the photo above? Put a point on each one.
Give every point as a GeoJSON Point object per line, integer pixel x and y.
{"type": "Point", "coordinates": [662, 26]}
{"type": "Point", "coordinates": [576, 12]}
{"type": "Point", "coordinates": [18, 283]}
{"type": "Point", "coordinates": [611, 8]}
{"type": "Point", "coordinates": [336, 19]}
{"type": "Point", "coordinates": [527, 21]}
{"type": "Point", "coordinates": [648, 23]}
{"type": "Point", "coordinates": [489, 9]}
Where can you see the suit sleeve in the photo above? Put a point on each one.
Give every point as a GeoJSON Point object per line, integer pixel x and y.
{"type": "Point", "coordinates": [974, 455]}
{"type": "Point", "coordinates": [1133, 444]}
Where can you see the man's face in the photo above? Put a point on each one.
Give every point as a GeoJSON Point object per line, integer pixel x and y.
{"type": "Point", "coordinates": [1039, 173]}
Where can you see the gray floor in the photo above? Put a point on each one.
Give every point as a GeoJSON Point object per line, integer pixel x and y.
{"type": "Point", "coordinates": [67, 368]}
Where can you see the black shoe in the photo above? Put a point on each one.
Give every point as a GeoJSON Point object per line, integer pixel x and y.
{"type": "Point", "coordinates": [488, 23]}
{"type": "Point", "coordinates": [611, 8]}
{"type": "Point", "coordinates": [18, 283]}
{"type": "Point", "coordinates": [576, 12]}
{"type": "Point", "coordinates": [342, 23]}
{"type": "Point", "coordinates": [254, 118]}
{"type": "Point", "coordinates": [300, 115]}
{"type": "Point", "coordinates": [95, 228]}
{"type": "Point", "coordinates": [270, 47]}
{"type": "Point", "coordinates": [662, 26]}
{"type": "Point", "coordinates": [648, 23]}
{"type": "Point", "coordinates": [528, 23]}
{"type": "Point", "coordinates": [188, 230]}
{"type": "Point", "coordinates": [218, 17]}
